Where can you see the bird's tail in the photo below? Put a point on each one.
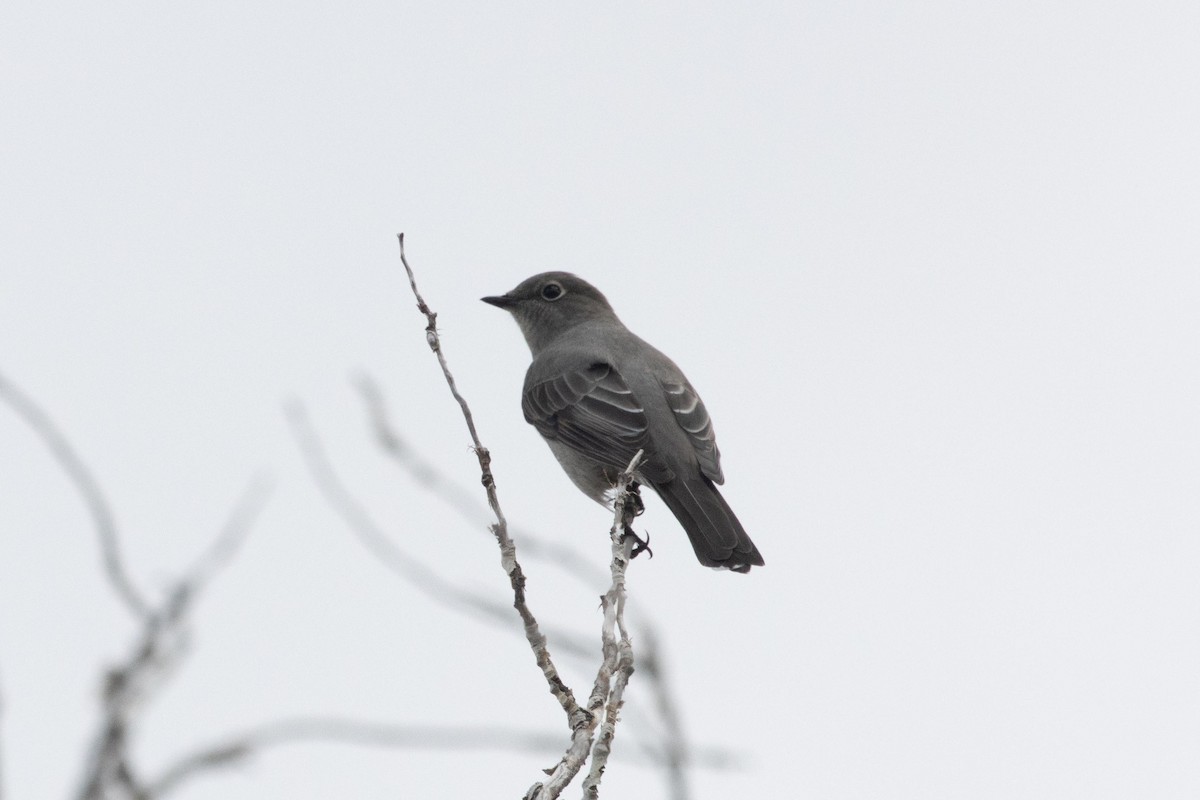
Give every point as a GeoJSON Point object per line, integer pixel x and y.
{"type": "Point", "coordinates": [717, 537]}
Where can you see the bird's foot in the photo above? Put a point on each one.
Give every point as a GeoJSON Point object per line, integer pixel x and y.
{"type": "Point", "coordinates": [640, 545]}
{"type": "Point", "coordinates": [635, 498]}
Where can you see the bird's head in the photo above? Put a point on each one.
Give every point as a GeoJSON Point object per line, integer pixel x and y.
{"type": "Point", "coordinates": [548, 304]}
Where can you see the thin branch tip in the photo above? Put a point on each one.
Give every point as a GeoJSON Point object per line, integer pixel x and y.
{"type": "Point", "coordinates": [607, 697]}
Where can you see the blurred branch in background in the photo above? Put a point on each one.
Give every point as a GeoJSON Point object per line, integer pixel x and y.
{"type": "Point", "coordinates": [236, 748]}
{"type": "Point", "coordinates": [675, 749]}
{"type": "Point", "coordinates": [355, 732]}
{"type": "Point", "coordinates": [162, 639]}
{"type": "Point", "coordinates": [457, 496]}
{"type": "Point", "coordinates": [89, 489]}
{"type": "Point", "coordinates": [160, 646]}
{"type": "Point", "coordinates": [380, 545]}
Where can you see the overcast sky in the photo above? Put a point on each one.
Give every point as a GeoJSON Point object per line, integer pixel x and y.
{"type": "Point", "coordinates": [934, 268]}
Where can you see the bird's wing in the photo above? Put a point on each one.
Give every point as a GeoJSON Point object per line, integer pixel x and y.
{"type": "Point", "coordinates": [692, 416]}
{"type": "Point", "coordinates": [592, 410]}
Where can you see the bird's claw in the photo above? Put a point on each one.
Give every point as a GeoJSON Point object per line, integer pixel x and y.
{"type": "Point", "coordinates": [640, 545]}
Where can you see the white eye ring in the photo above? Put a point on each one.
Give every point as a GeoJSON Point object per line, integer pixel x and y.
{"type": "Point", "coordinates": [552, 291]}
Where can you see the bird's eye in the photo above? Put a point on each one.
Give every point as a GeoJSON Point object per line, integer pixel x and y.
{"type": "Point", "coordinates": [552, 291]}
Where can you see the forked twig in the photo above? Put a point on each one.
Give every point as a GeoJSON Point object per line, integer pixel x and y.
{"type": "Point", "coordinates": [614, 671]}
{"type": "Point", "coordinates": [616, 667]}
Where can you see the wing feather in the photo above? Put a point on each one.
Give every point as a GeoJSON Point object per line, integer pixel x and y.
{"type": "Point", "coordinates": [692, 416]}
{"type": "Point", "coordinates": [591, 410]}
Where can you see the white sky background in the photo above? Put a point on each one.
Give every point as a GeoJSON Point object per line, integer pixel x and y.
{"type": "Point", "coordinates": [935, 271]}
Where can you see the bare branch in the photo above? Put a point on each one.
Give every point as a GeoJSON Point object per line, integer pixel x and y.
{"type": "Point", "coordinates": [672, 754]}
{"type": "Point", "coordinates": [89, 489]}
{"type": "Point", "coordinates": [576, 716]}
{"type": "Point", "coordinates": [607, 690]}
{"type": "Point", "coordinates": [618, 654]}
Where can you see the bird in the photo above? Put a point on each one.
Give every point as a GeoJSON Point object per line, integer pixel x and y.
{"type": "Point", "coordinates": [598, 394]}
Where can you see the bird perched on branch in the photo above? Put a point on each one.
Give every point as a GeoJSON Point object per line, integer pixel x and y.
{"type": "Point", "coordinates": [597, 394]}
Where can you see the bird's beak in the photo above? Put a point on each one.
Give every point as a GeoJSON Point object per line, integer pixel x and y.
{"type": "Point", "coordinates": [502, 301]}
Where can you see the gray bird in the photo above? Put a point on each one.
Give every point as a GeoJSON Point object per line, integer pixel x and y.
{"type": "Point", "coordinates": [597, 394]}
